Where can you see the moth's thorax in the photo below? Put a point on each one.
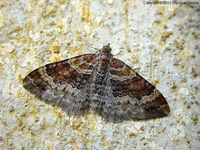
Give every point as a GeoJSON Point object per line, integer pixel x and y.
{"type": "Point", "coordinates": [101, 71]}
{"type": "Point", "coordinates": [104, 58]}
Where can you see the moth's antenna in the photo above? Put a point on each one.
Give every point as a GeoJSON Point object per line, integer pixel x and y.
{"type": "Point", "coordinates": [94, 48]}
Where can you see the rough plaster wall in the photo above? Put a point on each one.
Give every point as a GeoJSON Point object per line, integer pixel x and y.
{"type": "Point", "coordinates": [160, 41]}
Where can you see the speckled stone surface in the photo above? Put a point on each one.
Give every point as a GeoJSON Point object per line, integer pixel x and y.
{"type": "Point", "coordinates": [160, 41]}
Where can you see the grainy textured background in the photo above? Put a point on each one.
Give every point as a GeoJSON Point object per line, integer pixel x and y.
{"type": "Point", "coordinates": [160, 41]}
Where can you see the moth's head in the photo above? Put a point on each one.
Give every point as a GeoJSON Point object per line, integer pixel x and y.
{"type": "Point", "coordinates": [106, 48]}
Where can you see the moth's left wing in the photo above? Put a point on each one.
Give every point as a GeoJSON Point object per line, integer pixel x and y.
{"type": "Point", "coordinates": [63, 84]}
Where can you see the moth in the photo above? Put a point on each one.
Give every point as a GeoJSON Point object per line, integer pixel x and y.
{"type": "Point", "coordinates": [97, 82]}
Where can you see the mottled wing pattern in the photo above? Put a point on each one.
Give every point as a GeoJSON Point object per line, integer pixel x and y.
{"type": "Point", "coordinates": [98, 82]}
{"type": "Point", "coordinates": [63, 84]}
{"type": "Point", "coordinates": [130, 96]}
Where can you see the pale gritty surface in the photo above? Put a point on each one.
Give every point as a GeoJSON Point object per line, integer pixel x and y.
{"type": "Point", "coordinates": [160, 41]}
